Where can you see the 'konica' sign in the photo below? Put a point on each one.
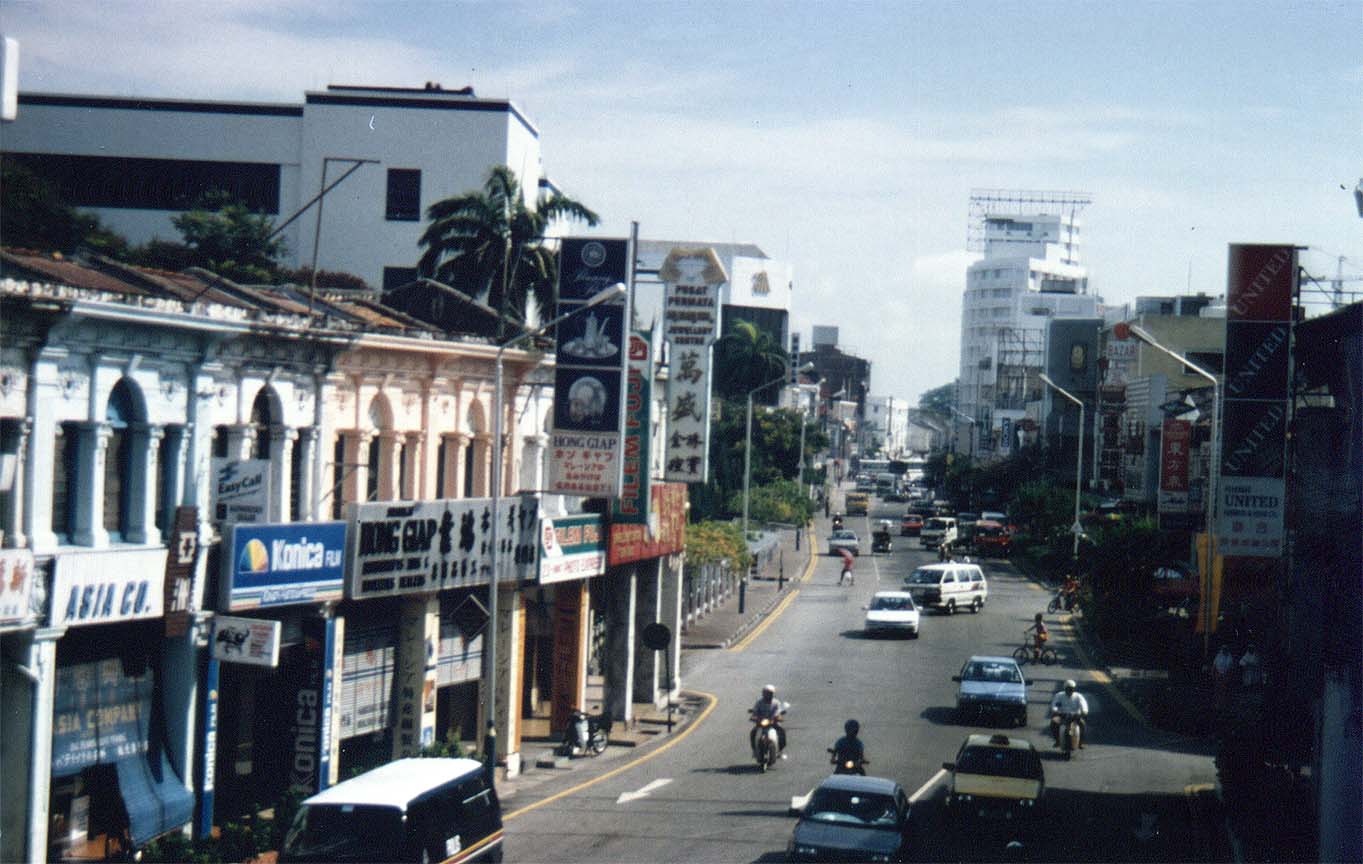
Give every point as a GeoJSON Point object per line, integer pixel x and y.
{"type": "Point", "coordinates": [282, 565]}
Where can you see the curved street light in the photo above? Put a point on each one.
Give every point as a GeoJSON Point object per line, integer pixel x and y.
{"type": "Point", "coordinates": [1078, 460]}
{"type": "Point", "coordinates": [747, 441]}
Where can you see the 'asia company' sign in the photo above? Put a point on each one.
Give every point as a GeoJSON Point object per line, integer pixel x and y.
{"type": "Point", "coordinates": [422, 546]}
{"type": "Point", "coordinates": [572, 547]}
{"type": "Point", "coordinates": [282, 565]}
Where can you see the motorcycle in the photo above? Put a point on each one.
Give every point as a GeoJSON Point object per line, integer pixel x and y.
{"type": "Point", "coordinates": [766, 741]}
{"type": "Point", "coordinates": [837, 521]}
{"type": "Point", "coordinates": [587, 734]}
{"type": "Point", "coordinates": [1062, 600]}
{"type": "Point", "coordinates": [848, 766]}
{"type": "Point", "coordinates": [1069, 734]}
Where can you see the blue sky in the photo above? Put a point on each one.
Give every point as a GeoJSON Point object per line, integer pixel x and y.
{"type": "Point", "coordinates": [845, 137]}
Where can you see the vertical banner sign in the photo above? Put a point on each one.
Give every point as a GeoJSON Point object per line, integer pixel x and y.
{"type": "Point", "coordinates": [1175, 442]}
{"type": "Point", "coordinates": [589, 376]}
{"type": "Point", "coordinates": [418, 640]}
{"type": "Point", "coordinates": [632, 505]}
{"type": "Point", "coordinates": [692, 279]}
{"type": "Point", "coordinates": [209, 757]}
{"type": "Point", "coordinates": [183, 552]}
{"type": "Point", "coordinates": [1261, 284]}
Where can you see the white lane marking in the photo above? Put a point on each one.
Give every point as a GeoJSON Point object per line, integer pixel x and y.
{"type": "Point", "coordinates": [626, 797]}
{"type": "Point", "coordinates": [932, 781]}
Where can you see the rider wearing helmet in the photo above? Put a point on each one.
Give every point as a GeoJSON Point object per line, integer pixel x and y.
{"type": "Point", "coordinates": [849, 748]}
{"type": "Point", "coordinates": [1069, 701]}
{"type": "Point", "coordinates": [769, 707]}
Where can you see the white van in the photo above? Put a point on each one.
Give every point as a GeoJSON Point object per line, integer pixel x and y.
{"type": "Point", "coordinates": [410, 810]}
{"type": "Point", "coordinates": [936, 531]}
{"type": "Point", "coordinates": [948, 587]}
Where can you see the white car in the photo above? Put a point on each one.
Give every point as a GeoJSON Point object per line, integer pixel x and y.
{"type": "Point", "coordinates": [892, 612]}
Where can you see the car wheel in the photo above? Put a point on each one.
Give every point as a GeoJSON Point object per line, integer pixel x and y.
{"type": "Point", "coordinates": [976, 605]}
{"type": "Point", "coordinates": [951, 607]}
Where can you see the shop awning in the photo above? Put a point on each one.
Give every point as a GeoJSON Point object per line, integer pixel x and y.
{"type": "Point", "coordinates": [153, 795]}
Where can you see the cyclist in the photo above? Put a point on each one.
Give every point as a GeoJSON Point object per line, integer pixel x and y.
{"type": "Point", "coordinates": [1039, 635]}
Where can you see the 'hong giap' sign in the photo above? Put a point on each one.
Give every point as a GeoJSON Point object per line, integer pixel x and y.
{"type": "Point", "coordinates": [424, 546]}
{"type": "Point", "coordinates": [690, 326]}
{"type": "Point", "coordinates": [104, 587]}
{"type": "Point", "coordinates": [282, 565]}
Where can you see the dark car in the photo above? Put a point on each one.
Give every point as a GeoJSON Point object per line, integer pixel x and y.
{"type": "Point", "coordinates": [852, 818]}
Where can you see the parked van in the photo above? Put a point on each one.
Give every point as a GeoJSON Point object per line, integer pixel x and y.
{"type": "Point", "coordinates": [936, 531]}
{"type": "Point", "coordinates": [948, 587]}
{"type": "Point", "coordinates": [410, 810]}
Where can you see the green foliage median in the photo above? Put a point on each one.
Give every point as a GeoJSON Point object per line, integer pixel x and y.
{"type": "Point", "coordinates": [713, 542]}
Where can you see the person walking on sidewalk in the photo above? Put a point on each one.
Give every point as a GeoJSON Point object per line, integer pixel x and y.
{"type": "Point", "coordinates": [847, 561]}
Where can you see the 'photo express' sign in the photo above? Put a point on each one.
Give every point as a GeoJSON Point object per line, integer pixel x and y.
{"type": "Point", "coordinates": [282, 565]}
{"type": "Point", "coordinates": [589, 377]}
{"type": "Point", "coordinates": [424, 546]}
{"type": "Point", "coordinates": [572, 547]}
{"type": "Point", "coordinates": [692, 279]}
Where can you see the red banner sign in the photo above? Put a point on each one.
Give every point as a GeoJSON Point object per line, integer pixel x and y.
{"type": "Point", "coordinates": [663, 534]}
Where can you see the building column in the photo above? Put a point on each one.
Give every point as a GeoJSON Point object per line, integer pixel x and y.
{"type": "Point", "coordinates": [646, 608]}
{"type": "Point", "coordinates": [355, 470]}
{"type": "Point", "coordinates": [307, 491]}
{"type": "Point", "coordinates": [144, 441]}
{"type": "Point", "coordinates": [620, 641]}
{"type": "Point", "coordinates": [418, 654]}
{"type": "Point", "coordinates": [88, 513]}
{"type": "Point", "coordinates": [42, 662]}
{"type": "Point", "coordinates": [482, 466]}
{"type": "Point", "coordinates": [173, 471]}
{"type": "Point", "coordinates": [239, 439]}
{"type": "Point", "coordinates": [15, 520]}
{"type": "Point", "coordinates": [670, 613]}
{"type": "Point", "coordinates": [389, 453]}
{"type": "Point", "coordinates": [281, 471]}
{"type": "Point", "coordinates": [506, 715]}
{"type": "Point", "coordinates": [451, 483]}
{"type": "Point", "coordinates": [416, 448]}
{"type": "Point", "coordinates": [532, 461]}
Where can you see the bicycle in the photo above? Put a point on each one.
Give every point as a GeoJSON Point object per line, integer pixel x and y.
{"type": "Point", "coordinates": [1029, 653]}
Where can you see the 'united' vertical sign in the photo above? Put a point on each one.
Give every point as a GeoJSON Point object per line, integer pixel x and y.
{"type": "Point", "coordinates": [691, 323]}
{"type": "Point", "coordinates": [585, 452]}
{"type": "Point", "coordinates": [1260, 286]}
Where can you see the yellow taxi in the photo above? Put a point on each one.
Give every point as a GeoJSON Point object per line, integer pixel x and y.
{"type": "Point", "coordinates": [858, 503]}
{"type": "Point", "coordinates": [996, 779]}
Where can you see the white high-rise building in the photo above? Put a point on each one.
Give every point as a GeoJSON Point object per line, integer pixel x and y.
{"type": "Point", "coordinates": [1031, 272]}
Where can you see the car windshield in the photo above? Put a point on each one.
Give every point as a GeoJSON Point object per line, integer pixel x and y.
{"type": "Point", "coordinates": [1000, 762]}
{"type": "Point", "coordinates": [989, 530]}
{"type": "Point", "coordinates": [923, 576]}
{"type": "Point", "coordinates": [936, 524]}
{"type": "Point", "coordinates": [844, 535]}
{"type": "Point", "coordinates": [345, 832]}
{"type": "Point", "coordinates": [893, 604]}
{"type": "Point", "coordinates": [1005, 673]}
{"type": "Point", "coordinates": [852, 808]}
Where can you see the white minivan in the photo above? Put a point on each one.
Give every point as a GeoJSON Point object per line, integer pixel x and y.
{"type": "Point", "coordinates": [936, 531]}
{"type": "Point", "coordinates": [948, 587]}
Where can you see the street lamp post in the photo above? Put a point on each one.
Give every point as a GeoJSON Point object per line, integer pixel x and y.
{"type": "Point", "coordinates": [1122, 330]}
{"type": "Point", "coordinates": [747, 443]}
{"type": "Point", "coordinates": [972, 421]}
{"type": "Point", "coordinates": [606, 295]}
{"type": "Point", "coordinates": [1078, 459]}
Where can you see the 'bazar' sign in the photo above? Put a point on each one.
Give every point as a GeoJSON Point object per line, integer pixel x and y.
{"type": "Point", "coordinates": [664, 534]}
{"type": "Point", "coordinates": [282, 565]}
{"type": "Point", "coordinates": [572, 547]}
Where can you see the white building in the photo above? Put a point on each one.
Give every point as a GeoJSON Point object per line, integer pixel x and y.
{"type": "Point", "coordinates": [137, 163]}
{"type": "Point", "coordinates": [1030, 272]}
{"type": "Point", "coordinates": [887, 422]}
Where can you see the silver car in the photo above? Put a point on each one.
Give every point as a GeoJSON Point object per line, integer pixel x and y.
{"type": "Point", "coordinates": [844, 539]}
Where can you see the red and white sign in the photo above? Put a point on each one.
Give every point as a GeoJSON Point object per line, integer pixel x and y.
{"type": "Point", "coordinates": [1176, 438]}
{"type": "Point", "coordinates": [16, 587]}
{"type": "Point", "coordinates": [253, 641]}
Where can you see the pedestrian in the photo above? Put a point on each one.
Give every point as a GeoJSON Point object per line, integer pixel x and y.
{"type": "Point", "coordinates": [847, 560]}
{"type": "Point", "coordinates": [1251, 668]}
{"type": "Point", "coordinates": [1222, 666]}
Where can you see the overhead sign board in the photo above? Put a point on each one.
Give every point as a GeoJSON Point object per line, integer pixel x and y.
{"type": "Point", "coordinates": [108, 586]}
{"type": "Point", "coordinates": [572, 547]}
{"type": "Point", "coordinates": [240, 490]}
{"type": "Point", "coordinates": [425, 546]}
{"type": "Point", "coordinates": [663, 534]}
{"type": "Point", "coordinates": [691, 319]}
{"type": "Point", "coordinates": [283, 565]}
{"type": "Point", "coordinates": [585, 448]}
{"type": "Point", "coordinates": [253, 641]}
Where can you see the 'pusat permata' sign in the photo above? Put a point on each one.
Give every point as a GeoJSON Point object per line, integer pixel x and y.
{"type": "Point", "coordinates": [692, 279]}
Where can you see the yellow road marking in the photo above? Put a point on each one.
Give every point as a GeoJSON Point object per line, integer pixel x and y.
{"type": "Point", "coordinates": [1194, 788]}
{"type": "Point", "coordinates": [1104, 679]}
{"type": "Point", "coordinates": [691, 727]}
{"type": "Point", "coordinates": [1035, 587]}
{"type": "Point", "coordinates": [775, 613]}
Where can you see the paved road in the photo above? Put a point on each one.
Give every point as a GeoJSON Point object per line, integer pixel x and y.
{"type": "Point", "coordinates": [704, 800]}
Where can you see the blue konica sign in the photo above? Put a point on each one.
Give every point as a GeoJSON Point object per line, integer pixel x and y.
{"type": "Point", "coordinates": [282, 565]}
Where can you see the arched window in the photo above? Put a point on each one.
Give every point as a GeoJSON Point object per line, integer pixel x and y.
{"type": "Point", "coordinates": [262, 418]}
{"type": "Point", "coordinates": [118, 485]}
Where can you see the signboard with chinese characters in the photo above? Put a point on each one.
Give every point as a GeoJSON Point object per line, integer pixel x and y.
{"type": "Point", "coordinates": [16, 587]}
{"type": "Point", "coordinates": [183, 551]}
{"type": "Point", "coordinates": [253, 641]}
{"type": "Point", "coordinates": [240, 490]}
{"type": "Point", "coordinates": [585, 447]}
{"type": "Point", "coordinates": [692, 278]}
{"type": "Point", "coordinates": [663, 534]}
{"type": "Point", "coordinates": [283, 565]}
{"type": "Point", "coordinates": [418, 644]}
{"type": "Point", "coordinates": [1176, 438]}
{"type": "Point", "coordinates": [426, 546]}
{"type": "Point", "coordinates": [1261, 286]}
{"type": "Point", "coordinates": [632, 505]}
{"type": "Point", "coordinates": [103, 587]}
{"type": "Point", "coordinates": [572, 547]}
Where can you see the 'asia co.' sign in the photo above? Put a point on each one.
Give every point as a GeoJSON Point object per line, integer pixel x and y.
{"type": "Point", "coordinates": [104, 587]}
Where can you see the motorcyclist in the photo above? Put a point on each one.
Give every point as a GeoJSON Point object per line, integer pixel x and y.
{"type": "Point", "coordinates": [1069, 701]}
{"type": "Point", "coordinates": [768, 707]}
{"type": "Point", "coordinates": [1039, 634]}
{"type": "Point", "coordinates": [849, 748]}
{"type": "Point", "coordinates": [1069, 592]}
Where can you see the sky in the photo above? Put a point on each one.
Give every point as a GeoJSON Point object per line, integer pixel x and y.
{"type": "Point", "coordinates": [842, 137]}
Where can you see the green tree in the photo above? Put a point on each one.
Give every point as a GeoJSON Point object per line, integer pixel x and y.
{"type": "Point", "coordinates": [227, 238]}
{"type": "Point", "coordinates": [745, 358]}
{"type": "Point", "coordinates": [479, 242]}
{"type": "Point", "coordinates": [939, 399]}
{"type": "Point", "coordinates": [36, 216]}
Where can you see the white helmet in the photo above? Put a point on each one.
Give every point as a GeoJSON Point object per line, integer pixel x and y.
{"type": "Point", "coordinates": [770, 688]}
{"type": "Point", "coordinates": [1070, 685]}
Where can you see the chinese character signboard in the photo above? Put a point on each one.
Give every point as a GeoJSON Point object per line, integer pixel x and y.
{"type": "Point", "coordinates": [253, 641]}
{"type": "Point", "coordinates": [282, 565]}
{"type": "Point", "coordinates": [240, 489]}
{"type": "Point", "coordinates": [16, 587]}
{"type": "Point", "coordinates": [1175, 443]}
{"type": "Point", "coordinates": [632, 505]}
{"type": "Point", "coordinates": [589, 375]}
{"type": "Point", "coordinates": [691, 324]}
{"type": "Point", "coordinates": [663, 534]}
{"type": "Point", "coordinates": [1261, 286]}
{"type": "Point", "coordinates": [572, 547]}
{"type": "Point", "coordinates": [425, 546]}
{"type": "Point", "coordinates": [183, 551]}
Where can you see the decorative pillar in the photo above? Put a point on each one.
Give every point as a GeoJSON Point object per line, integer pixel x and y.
{"type": "Point", "coordinates": [239, 440]}
{"type": "Point", "coordinates": [42, 660]}
{"type": "Point", "coordinates": [307, 490]}
{"type": "Point", "coordinates": [532, 461]}
{"type": "Point", "coordinates": [144, 441]}
{"type": "Point", "coordinates": [482, 466]}
{"type": "Point", "coordinates": [416, 447]}
{"type": "Point", "coordinates": [389, 454]}
{"type": "Point", "coordinates": [281, 471]}
{"type": "Point", "coordinates": [173, 470]}
{"type": "Point", "coordinates": [355, 471]}
{"type": "Point", "coordinates": [456, 447]}
{"type": "Point", "coordinates": [15, 521]}
{"type": "Point", "coordinates": [87, 527]}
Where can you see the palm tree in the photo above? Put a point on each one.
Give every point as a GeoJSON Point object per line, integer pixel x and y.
{"type": "Point", "coordinates": [747, 357]}
{"type": "Point", "coordinates": [491, 246]}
